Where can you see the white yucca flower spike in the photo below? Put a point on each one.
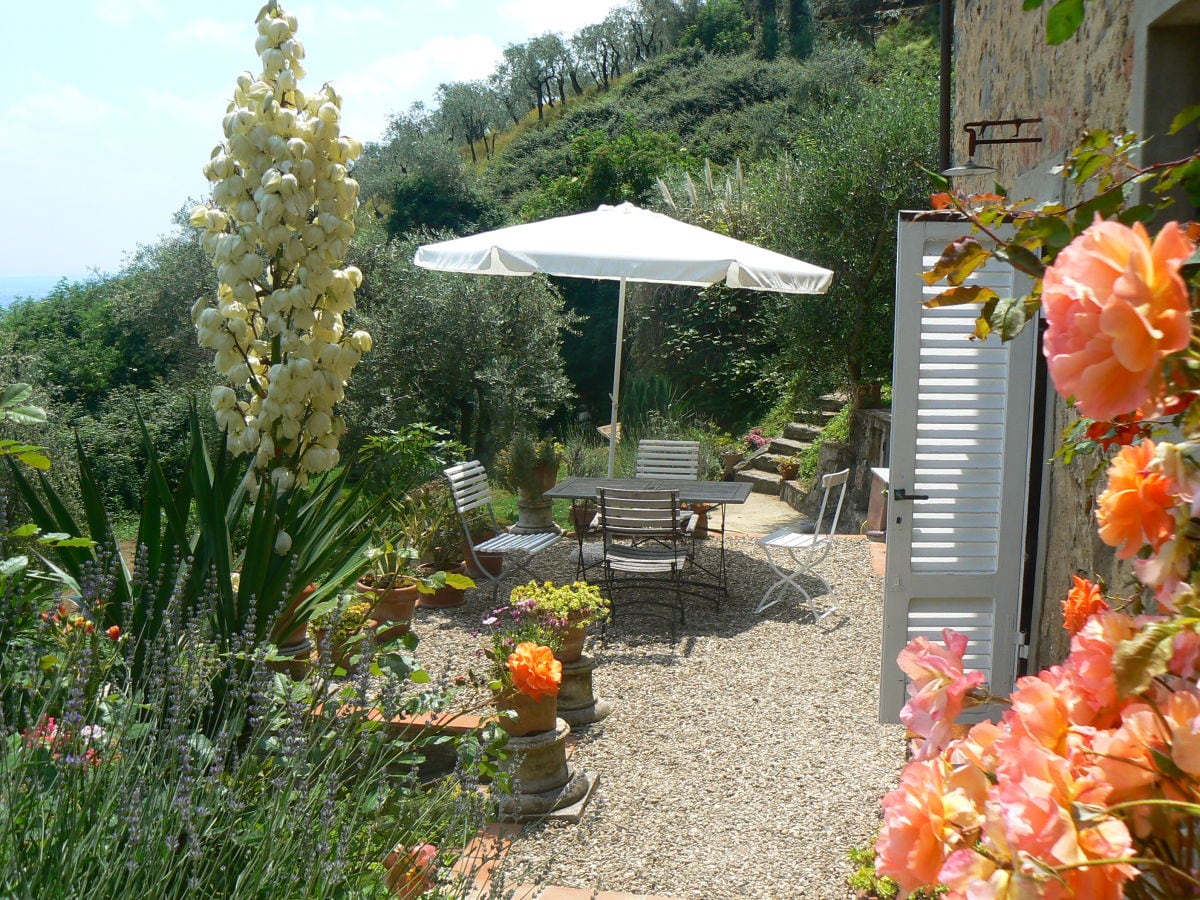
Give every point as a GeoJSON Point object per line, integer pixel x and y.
{"type": "Point", "coordinates": [278, 227]}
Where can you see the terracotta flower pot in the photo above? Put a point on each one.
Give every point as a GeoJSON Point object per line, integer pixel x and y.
{"type": "Point", "coordinates": [788, 472]}
{"type": "Point", "coordinates": [394, 604]}
{"type": "Point", "coordinates": [492, 563]}
{"type": "Point", "coordinates": [446, 597]}
{"type": "Point", "coordinates": [299, 631]}
{"type": "Point", "coordinates": [533, 716]}
{"type": "Point", "coordinates": [581, 517]}
{"type": "Point", "coordinates": [572, 644]}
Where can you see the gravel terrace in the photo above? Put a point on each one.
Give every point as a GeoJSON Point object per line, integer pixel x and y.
{"type": "Point", "coordinates": [741, 760]}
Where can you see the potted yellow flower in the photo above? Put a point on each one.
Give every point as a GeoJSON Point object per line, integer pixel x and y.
{"type": "Point", "coordinates": [569, 609]}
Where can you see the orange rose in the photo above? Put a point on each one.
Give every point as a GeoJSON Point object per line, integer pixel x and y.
{"type": "Point", "coordinates": [534, 670]}
{"type": "Point", "coordinates": [1081, 602]}
{"type": "Point", "coordinates": [1115, 305]}
{"type": "Point", "coordinates": [1136, 508]}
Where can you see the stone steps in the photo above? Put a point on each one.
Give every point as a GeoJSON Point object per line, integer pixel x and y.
{"type": "Point", "coordinates": [761, 469]}
{"type": "Point", "coordinates": [763, 482]}
{"type": "Point", "coordinates": [785, 446]}
{"type": "Point", "coordinates": [800, 432]}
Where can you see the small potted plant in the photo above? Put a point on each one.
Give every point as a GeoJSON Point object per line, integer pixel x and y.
{"type": "Point", "coordinates": [391, 582]}
{"type": "Point", "coordinates": [569, 609]}
{"type": "Point", "coordinates": [731, 453]}
{"type": "Point", "coordinates": [337, 633]}
{"type": "Point", "coordinates": [524, 675]}
{"type": "Point", "coordinates": [529, 466]}
{"type": "Point", "coordinates": [428, 523]}
{"type": "Point", "coordinates": [789, 467]}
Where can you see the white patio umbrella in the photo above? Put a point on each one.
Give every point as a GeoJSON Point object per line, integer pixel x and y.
{"type": "Point", "coordinates": [624, 243]}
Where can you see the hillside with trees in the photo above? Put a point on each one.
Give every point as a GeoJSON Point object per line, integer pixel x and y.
{"type": "Point", "coordinates": [801, 126]}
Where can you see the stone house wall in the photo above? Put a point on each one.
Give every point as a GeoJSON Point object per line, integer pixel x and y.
{"type": "Point", "coordinates": [1003, 70]}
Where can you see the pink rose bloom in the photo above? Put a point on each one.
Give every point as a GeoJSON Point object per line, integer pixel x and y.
{"type": "Point", "coordinates": [1033, 804]}
{"type": "Point", "coordinates": [1185, 656]}
{"type": "Point", "coordinates": [1090, 665]}
{"type": "Point", "coordinates": [912, 844]}
{"type": "Point", "coordinates": [937, 689]}
{"type": "Point", "coordinates": [1116, 306]}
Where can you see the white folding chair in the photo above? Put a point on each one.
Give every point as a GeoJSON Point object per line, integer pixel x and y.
{"type": "Point", "coordinates": [792, 554]}
{"type": "Point", "coordinates": [656, 554]}
{"type": "Point", "coordinates": [473, 501]}
{"type": "Point", "coordinates": [668, 459]}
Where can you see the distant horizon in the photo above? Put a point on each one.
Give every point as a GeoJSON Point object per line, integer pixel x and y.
{"type": "Point", "coordinates": [31, 287]}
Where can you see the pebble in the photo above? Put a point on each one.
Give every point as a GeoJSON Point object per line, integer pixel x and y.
{"type": "Point", "coordinates": [742, 761]}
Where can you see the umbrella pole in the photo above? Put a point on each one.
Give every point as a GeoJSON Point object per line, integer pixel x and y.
{"type": "Point", "coordinates": [616, 390]}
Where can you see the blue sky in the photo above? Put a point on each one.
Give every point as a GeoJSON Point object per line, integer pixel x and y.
{"type": "Point", "coordinates": [112, 106]}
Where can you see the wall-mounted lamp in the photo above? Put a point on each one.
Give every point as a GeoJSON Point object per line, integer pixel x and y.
{"type": "Point", "coordinates": [977, 135]}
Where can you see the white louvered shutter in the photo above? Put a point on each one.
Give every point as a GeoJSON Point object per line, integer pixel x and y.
{"type": "Point", "coordinates": [960, 438]}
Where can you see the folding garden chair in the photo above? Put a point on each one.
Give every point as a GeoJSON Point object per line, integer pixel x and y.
{"type": "Point", "coordinates": [656, 553]}
{"type": "Point", "coordinates": [792, 554]}
{"type": "Point", "coordinates": [473, 501]}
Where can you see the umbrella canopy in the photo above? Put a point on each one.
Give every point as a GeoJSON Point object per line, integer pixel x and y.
{"type": "Point", "coordinates": [624, 243]}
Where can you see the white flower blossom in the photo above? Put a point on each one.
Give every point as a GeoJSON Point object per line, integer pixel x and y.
{"type": "Point", "coordinates": [278, 227]}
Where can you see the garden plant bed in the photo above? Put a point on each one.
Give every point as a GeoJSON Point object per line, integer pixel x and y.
{"type": "Point", "coordinates": [742, 760]}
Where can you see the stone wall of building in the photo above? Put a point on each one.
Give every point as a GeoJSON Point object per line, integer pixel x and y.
{"type": "Point", "coordinates": [1003, 70]}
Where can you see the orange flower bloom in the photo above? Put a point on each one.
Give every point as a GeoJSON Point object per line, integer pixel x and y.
{"type": "Point", "coordinates": [1136, 507]}
{"type": "Point", "coordinates": [1081, 602]}
{"type": "Point", "coordinates": [1116, 305]}
{"type": "Point", "coordinates": [534, 670]}
{"type": "Point", "coordinates": [114, 632]}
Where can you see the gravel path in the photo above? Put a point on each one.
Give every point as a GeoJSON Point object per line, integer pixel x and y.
{"type": "Point", "coordinates": [742, 760]}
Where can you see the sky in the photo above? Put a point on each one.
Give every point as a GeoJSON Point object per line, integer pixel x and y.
{"type": "Point", "coordinates": [111, 107]}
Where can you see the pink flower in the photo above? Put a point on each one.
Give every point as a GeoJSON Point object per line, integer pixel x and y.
{"type": "Point", "coordinates": [1090, 666]}
{"type": "Point", "coordinates": [1116, 306]}
{"type": "Point", "coordinates": [912, 843]}
{"type": "Point", "coordinates": [1033, 807]}
{"type": "Point", "coordinates": [937, 690]}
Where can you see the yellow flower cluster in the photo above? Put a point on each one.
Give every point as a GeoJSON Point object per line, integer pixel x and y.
{"type": "Point", "coordinates": [278, 229]}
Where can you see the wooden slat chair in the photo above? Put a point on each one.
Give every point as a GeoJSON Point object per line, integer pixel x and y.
{"type": "Point", "coordinates": [645, 542]}
{"type": "Point", "coordinates": [668, 459]}
{"type": "Point", "coordinates": [473, 501]}
{"type": "Point", "coordinates": [792, 553]}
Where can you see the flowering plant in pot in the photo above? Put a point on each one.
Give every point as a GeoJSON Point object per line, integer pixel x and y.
{"type": "Point", "coordinates": [569, 609]}
{"type": "Point", "coordinates": [789, 467]}
{"type": "Point", "coordinates": [523, 673]}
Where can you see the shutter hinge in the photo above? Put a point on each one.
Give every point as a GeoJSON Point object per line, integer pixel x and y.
{"type": "Point", "coordinates": [1022, 645]}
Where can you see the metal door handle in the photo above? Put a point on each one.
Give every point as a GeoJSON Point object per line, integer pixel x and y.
{"type": "Point", "coordinates": [902, 494]}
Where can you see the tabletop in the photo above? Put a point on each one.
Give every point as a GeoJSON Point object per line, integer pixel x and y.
{"type": "Point", "coordinates": [689, 491]}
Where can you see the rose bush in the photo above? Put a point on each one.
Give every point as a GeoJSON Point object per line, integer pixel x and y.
{"type": "Point", "coordinates": [1089, 783]}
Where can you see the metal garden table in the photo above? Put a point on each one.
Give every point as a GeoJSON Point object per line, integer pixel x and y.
{"type": "Point", "coordinates": [718, 493]}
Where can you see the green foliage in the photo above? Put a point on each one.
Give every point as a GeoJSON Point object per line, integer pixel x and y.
{"type": "Point", "coordinates": [864, 879]}
{"type": "Point", "coordinates": [836, 430]}
{"type": "Point", "coordinates": [194, 533]}
{"type": "Point", "coordinates": [475, 355]}
{"type": "Point", "coordinates": [605, 169]}
{"type": "Point", "coordinates": [720, 27]}
{"type": "Point", "coordinates": [716, 346]}
{"type": "Point", "coordinates": [419, 201]}
{"type": "Point", "coordinates": [834, 203]}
